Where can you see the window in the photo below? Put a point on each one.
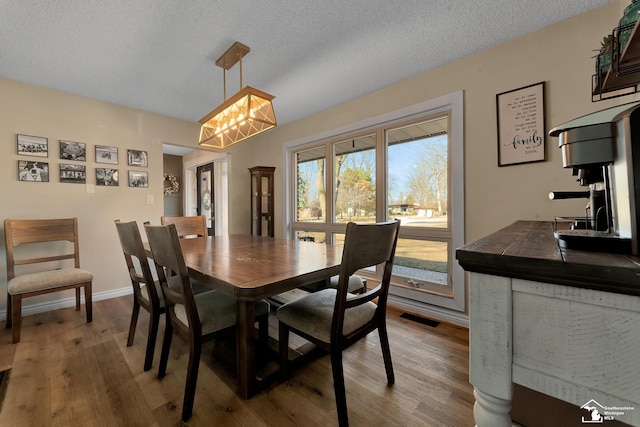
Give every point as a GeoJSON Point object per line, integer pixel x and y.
{"type": "Point", "coordinates": [408, 168]}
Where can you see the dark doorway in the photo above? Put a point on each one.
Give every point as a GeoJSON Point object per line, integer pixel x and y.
{"type": "Point", "coordinates": [204, 177]}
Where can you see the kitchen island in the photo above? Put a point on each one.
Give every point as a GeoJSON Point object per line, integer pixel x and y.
{"type": "Point", "coordinates": [562, 322]}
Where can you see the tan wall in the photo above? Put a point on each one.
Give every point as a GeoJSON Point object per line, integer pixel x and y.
{"type": "Point", "coordinates": [55, 115]}
{"type": "Point", "coordinates": [560, 55]}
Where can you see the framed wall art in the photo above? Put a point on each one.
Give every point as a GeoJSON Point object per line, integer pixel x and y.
{"type": "Point", "coordinates": [106, 154]}
{"type": "Point", "coordinates": [521, 127]}
{"type": "Point", "coordinates": [138, 179]}
{"type": "Point", "coordinates": [137, 158]}
{"type": "Point", "coordinates": [33, 145]}
{"type": "Point", "coordinates": [74, 174]}
{"type": "Point", "coordinates": [33, 171]}
{"type": "Point", "coordinates": [70, 150]}
{"type": "Point", "coordinates": [107, 177]}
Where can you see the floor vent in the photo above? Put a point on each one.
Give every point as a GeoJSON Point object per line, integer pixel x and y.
{"type": "Point", "coordinates": [419, 319]}
{"type": "Point", "coordinates": [4, 380]}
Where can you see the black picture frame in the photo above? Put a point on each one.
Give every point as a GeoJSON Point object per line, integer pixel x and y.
{"type": "Point", "coordinates": [107, 177]}
{"type": "Point", "coordinates": [33, 171]}
{"type": "Point", "coordinates": [139, 179]}
{"type": "Point", "coordinates": [106, 154]}
{"type": "Point", "coordinates": [73, 174]}
{"type": "Point", "coordinates": [71, 150]}
{"type": "Point", "coordinates": [521, 125]}
{"type": "Point", "coordinates": [137, 158]}
{"type": "Point", "coordinates": [29, 145]}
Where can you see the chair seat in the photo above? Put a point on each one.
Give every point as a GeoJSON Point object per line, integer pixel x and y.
{"type": "Point", "coordinates": [145, 293]}
{"type": "Point", "coordinates": [33, 282]}
{"type": "Point", "coordinates": [216, 311]}
{"type": "Point", "coordinates": [355, 283]}
{"type": "Point", "coordinates": [313, 314]}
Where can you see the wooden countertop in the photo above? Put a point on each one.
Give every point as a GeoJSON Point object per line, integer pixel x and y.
{"type": "Point", "coordinates": [527, 250]}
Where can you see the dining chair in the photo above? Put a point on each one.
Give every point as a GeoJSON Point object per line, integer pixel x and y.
{"type": "Point", "coordinates": [355, 284]}
{"type": "Point", "coordinates": [50, 267]}
{"type": "Point", "coordinates": [146, 291]}
{"type": "Point", "coordinates": [197, 318]}
{"type": "Point", "coordinates": [334, 319]}
{"type": "Point", "coordinates": [187, 226]}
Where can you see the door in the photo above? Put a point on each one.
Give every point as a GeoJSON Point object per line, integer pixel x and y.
{"type": "Point", "coordinates": [204, 175]}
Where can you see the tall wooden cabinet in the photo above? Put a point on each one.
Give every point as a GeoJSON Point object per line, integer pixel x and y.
{"type": "Point", "coordinates": [262, 200]}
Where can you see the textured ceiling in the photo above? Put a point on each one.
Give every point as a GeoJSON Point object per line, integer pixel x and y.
{"type": "Point", "coordinates": [158, 55]}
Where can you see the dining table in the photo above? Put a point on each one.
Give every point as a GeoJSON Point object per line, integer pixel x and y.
{"type": "Point", "coordinates": [250, 268]}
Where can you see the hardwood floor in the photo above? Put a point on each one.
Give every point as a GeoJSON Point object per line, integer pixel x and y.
{"type": "Point", "coordinates": [65, 372]}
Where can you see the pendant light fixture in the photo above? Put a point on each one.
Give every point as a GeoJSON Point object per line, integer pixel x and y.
{"type": "Point", "coordinates": [245, 114]}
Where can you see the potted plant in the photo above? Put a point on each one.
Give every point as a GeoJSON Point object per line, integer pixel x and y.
{"type": "Point", "coordinates": [605, 57]}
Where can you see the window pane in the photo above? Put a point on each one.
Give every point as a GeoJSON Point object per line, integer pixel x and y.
{"type": "Point", "coordinates": [420, 262]}
{"type": "Point", "coordinates": [310, 188]}
{"type": "Point", "coordinates": [417, 180]}
{"type": "Point", "coordinates": [355, 180]}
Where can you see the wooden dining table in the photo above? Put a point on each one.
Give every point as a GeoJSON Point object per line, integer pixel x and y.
{"type": "Point", "coordinates": [251, 268]}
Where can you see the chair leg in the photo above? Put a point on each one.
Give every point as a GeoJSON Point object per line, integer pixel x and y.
{"type": "Point", "coordinates": [283, 339]}
{"type": "Point", "coordinates": [16, 316]}
{"type": "Point", "coordinates": [133, 323]}
{"type": "Point", "coordinates": [151, 340]}
{"type": "Point", "coordinates": [88, 301]}
{"type": "Point", "coordinates": [166, 345]}
{"type": "Point", "coordinates": [9, 311]}
{"type": "Point", "coordinates": [338, 386]}
{"type": "Point", "coordinates": [263, 334]}
{"type": "Point", "coordinates": [386, 352]}
{"type": "Point", "coordinates": [192, 378]}
{"type": "Point", "coordinates": [78, 299]}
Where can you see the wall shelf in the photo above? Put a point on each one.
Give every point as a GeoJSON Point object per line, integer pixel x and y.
{"type": "Point", "coordinates": [623, 75]}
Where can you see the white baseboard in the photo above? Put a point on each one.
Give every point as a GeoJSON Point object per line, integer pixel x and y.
{"type": "Point", "coordinates": [68, 302]}
{"type": "Point", "coordinates": [431, 311]}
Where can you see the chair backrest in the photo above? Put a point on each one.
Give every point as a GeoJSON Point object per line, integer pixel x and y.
{"type": "Point", "coordinates": [167, 256]}
{"type": "Point", "coordinates": [134, 253]}
{"type": "Point", "coordinates": [22, 231]}
{"type": "Point", "coordinates": [365, 245]}
{"type": "Point", "coordinates": [187, 225]}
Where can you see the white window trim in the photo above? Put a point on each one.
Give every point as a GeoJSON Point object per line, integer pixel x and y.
{"type": "Point", "coordinates": [451, 309]}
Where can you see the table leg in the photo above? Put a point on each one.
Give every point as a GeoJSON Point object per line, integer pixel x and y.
{"type": "Point", "coordinates": [490, 411]}
{"type": "Point", "coordinates": [246, 349]}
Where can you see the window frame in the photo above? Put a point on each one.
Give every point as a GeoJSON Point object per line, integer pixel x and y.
{"type": "Point", "coordinates": [448, 307]}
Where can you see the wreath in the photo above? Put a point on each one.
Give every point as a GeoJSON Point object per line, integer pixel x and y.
{"type": "Point", "coordinates": [173, 184]}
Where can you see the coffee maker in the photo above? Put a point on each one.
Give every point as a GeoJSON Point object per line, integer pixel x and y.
{"type": "Point", "coordinates": [603, 151]}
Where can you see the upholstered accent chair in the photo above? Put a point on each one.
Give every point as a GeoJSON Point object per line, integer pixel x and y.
{"type": "Point", "coordinates": [197, 318]}
{"type": "Point", "coordinates": [334, 319]}
{"type": "Point", "coordinates": [146, 291]}
{"type": "Point", "coordinates": [187, 226]}
{"type": "Point", "coordinates": [56, 268]}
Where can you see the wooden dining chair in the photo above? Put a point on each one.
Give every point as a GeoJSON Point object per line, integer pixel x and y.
{"type": "Point", "coordinates": [146, 291]}
{"type": "Point", "coordinates": [356, 283]}
{"type": "Point", "coordinates": [197, 318]}
{"type": "Point", "coordinates": [55, 269]}
{"type": "Point", "coordinates": [187, 226]}
{"type": "Point", "coordinates": [334, 319]}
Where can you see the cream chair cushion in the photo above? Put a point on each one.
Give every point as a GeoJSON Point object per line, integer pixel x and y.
{"type": "Point", "coordinates": [216, 311]}
{"type": "Point", "coordinates": [355, 283]}
{"type": "Point", "coordinates": [313, 314]}
{"type": "Point", "coordinates": [32, 282]}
